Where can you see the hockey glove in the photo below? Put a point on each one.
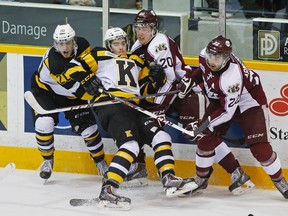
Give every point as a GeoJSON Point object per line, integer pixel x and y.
{"type": "Point", "coordinates": [184, 86]}
{"type": "Point", "coordinates": [200, 128]}
{"type": "Point", "coordinates": [192, 127]}
{"type": "Point", "coordinates": [157, 75]}
{"type": "Point", "coordinates": [92, 85]}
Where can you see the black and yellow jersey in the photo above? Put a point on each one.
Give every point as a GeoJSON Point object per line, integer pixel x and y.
{"type": "Point", "coordinates": [50, 75]}
{"type": "Point", "coordinates": [119, 74]}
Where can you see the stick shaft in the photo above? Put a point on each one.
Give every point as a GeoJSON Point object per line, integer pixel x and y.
{"type": "Point", "coordinates": [159, 118]}
{"type": "Point", "coordinates": [31, 100]}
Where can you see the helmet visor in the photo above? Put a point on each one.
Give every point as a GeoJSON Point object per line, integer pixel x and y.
{"type": "Point", "coordinates": [142, 27]}
{"type": "Point", "coordinates": [215, 61]}
{"type": "Point", "coordinates": [65, 48]}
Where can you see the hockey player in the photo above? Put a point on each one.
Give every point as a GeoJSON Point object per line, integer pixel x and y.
{"type": "Point", "coordinates": [116, 41]}
{"type": "Point", "coordinates": [53, 90]}
{"type": "Point", "coordinates": [153, 46]}
{"type": "Point", "coordinates": [128, 127]}
{"type": "Point", "coordinates": [235, 94]}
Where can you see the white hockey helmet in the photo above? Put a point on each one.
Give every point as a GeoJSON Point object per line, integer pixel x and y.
{"type": "Point", "coordinates": [63, 34]}
{"type": "Point", "coordinates": [114, 34]}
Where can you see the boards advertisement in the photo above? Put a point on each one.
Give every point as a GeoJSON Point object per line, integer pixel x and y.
{"type": "Point", "coordinates": [16, 27]}
{"type": "Point", "coordinates": [270, 39]}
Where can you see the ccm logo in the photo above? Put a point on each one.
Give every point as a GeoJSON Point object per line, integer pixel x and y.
{"type": "Point", "coordinates": [186, 117]}
{"type": "Point", "coordinates": [253, 136]}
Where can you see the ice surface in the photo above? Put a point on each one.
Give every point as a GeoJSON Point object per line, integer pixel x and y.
{"type": "Point", "coordinates": [22, 192]}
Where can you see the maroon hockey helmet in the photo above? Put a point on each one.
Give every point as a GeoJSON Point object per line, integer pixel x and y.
{"type": "Point", "coordinates": [146, 17]}
{"type": "Point", "coordinates": [219, 45]}
{"type": "Point", "coordinates": [218, 53]}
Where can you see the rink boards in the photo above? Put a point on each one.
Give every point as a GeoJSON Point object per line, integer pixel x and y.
{"type": "Point", "coordinates": [18, 144]}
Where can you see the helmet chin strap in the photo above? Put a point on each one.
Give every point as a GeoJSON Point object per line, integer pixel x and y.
{"type": "Point", "coordinates": [75, 48]}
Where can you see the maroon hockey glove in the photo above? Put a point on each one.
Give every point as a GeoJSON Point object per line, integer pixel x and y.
{"type": "Point", "coordinates": [191, 127]}
{"type": "Point", "coordinates": [201, 126]}
{"type": "Point", "coordinates": [184, 86]}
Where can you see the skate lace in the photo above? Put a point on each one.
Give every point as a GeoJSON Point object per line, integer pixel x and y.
{"type": "Point", "coordinates": [110, 194]}
{"type": "Point", "coordinates": [282, 185]}
{"type": "Point", "coordinates": [236, 175]}
{"type": "Point", "coordinates": [102, 167]}
{"type": "Point", "coordinates": [200, 181]}
{"type": "Point", "coordinates": [170, 180]}
{"type": "Point", "coordinates": [133, 168]}
{"type": "Point", "coordinates": [46, 166]}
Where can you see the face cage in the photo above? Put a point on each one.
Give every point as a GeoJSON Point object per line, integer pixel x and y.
{"type": "Point", "coordinates": [75, 47]}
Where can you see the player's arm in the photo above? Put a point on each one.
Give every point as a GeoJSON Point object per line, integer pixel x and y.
{"type": "Point", "coordinates": [83, 70]}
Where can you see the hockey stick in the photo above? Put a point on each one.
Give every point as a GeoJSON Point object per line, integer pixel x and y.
{"type": "Point", "coordinates": [31, 100]}
{"type": "Point", "coordinates": [161, 119]}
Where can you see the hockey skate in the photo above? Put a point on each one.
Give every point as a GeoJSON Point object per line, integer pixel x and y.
{"type": "Point", "coordinates": [201, 182]}
{"type": "Point", "coordinates": [137, 176]}
{"type": "Point", "coordinates": [110, 199]}
{"type": "Point", "coordinates": [174, 186]}
{"type": "Point", "coordinates": [102, 168]}
{"type": "Point", "coordinates": [282, 187]}
{"type": "Point", "coordinates": [241, 182]}
{"type": "Point", "coordinates": [46, 169]}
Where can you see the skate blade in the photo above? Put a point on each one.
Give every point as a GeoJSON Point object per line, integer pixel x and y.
{"type": "Point", "coordinates": [247, 186]}
{"type": "Point", "coordinates": [191, 194]}
{"type": "Point", "coordinates": [125, 206]}
{"type": "Point", "coordinates": [7, 170]}
{"type": "Point", "coordinates": [45, 181]}
{"type": "Point", "coordinates": [139, 182]}
{"type": "Point", "coordinates": [174, 191]}
{"type": "Point", "coordinates": [84, 202]}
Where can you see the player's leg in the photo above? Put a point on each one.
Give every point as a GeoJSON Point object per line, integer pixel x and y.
{"type": "Point", "coordinates": [257, 137]}
{"type": "Point", "coordinates": [240, 181]}
{"type": "Point", "coordinates": [44, 128]}
{"type": "Point", "coordinates": [84, 124]}
{"type": "Point", "coordinates": [117, 171]}
{"type": "Point", "coordinates": [137, 175]}
{"type": "Point", "coordinates": [193, 107]}
{"type": "Point", "coordinates": [44, 132]}
{"type": "Point", "coordinates": [161, 144]}
{"type": "Point", "coordinates": [206, 155]}
{"type": "Point", "coordinates": [126, 138]}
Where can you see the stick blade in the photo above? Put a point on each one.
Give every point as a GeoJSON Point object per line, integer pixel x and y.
{"type": "Point", "coordinates": [31, 100]}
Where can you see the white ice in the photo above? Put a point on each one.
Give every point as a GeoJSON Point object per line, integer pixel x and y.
{"type": "Point", "coordinates": [22, 192]}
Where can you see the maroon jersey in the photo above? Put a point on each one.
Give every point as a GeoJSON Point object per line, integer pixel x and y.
{"type": "Point", "coordinates": [164, 51]}
{"type": "Point", "coordinates": [234, 87]}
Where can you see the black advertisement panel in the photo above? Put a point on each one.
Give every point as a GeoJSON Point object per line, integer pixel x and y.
{"type": "Point", "coordinates": [35, 26]}
{"type": "Point", "coordinates": [26, 25]}
{"type": "Point", "coordinates": [270, 39]}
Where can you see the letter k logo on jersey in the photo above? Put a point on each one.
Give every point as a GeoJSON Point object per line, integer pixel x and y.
{"type": "Point", "coordinates": [279, 106]}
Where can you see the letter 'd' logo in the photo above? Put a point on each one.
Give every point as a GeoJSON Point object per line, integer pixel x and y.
{"type": "Point", "coordinates": [268, 45]}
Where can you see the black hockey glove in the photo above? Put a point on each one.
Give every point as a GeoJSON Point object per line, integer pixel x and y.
{"type": "Point", "coordinates": [92, 85]}
{"type": "Point", "coordinates": [157, 75]}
